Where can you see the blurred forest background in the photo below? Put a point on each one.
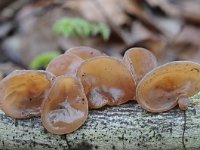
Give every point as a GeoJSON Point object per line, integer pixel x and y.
{"type": "Point", "coordinates": [38, 30]}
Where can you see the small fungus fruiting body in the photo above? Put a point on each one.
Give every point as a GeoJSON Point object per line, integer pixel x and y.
{"type": "Point", "coordinates": [23, 91]}
{"type": "Point", "coordinates": [106, 80]}
{"type": "Point", "coordinates": [169, 85]}
{"type": "Point", "coordinates": [183, 102]}
{"type": "Point", "coordinates": [139, 61]}
{"type": "Point", "coordinates": [64, 64]}
{"type": "Point", "coordinates": [85, 52]}
{"type": "Point", "coordinates": [66, 106]}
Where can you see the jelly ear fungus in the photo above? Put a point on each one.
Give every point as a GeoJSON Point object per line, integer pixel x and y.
{"type": "Point", "coordinates": [106, 81]}
{"type": "Point", "coordinates": [66, 107]}
{"type": "Point", "coordinates": [139, 61]}
{"type": "Point", "coordinates": [85, 52]}
{"type": "Point", "coordinates": [168, 85]}
{"type": "Point", "coordinates": [23, 91]}
{"type": "Point", "coordinates": [64, 64]}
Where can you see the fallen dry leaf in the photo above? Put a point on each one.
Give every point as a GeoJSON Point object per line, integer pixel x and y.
{"type": "Point", "coordinates": [189, 35]}
{"type": "Point", "coordinates": [142, 37]}
{"type": "Point", "coordinates": [188, 10]}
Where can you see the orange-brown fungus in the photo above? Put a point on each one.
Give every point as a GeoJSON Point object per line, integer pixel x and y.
{"type": "Point", "coordinates": [22, 92]}
{"type": "Point", "coordinates": [139, 61]}
{"type": "Point", "coordinates": [66, 107]}
{"type": "Point", "coordinates": [169, 85]}
{"type": "Point", "coordinates": [106, 80]}
{"type": "Point", "coordinates": [64, 64]}
{"type": "Point", "coordinates": [85, 52]}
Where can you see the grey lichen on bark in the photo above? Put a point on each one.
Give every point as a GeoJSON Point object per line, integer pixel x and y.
{"type": "Point", "coordinates": [123, 127]}
{"type": "Point", "coordinates": [192, 124]}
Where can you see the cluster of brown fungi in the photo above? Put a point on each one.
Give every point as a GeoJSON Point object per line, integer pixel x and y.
{"type": "Point", "coordinates": [84, 78]}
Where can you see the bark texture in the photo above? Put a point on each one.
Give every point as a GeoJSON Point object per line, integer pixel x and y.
{"type": "Point", "coordinates": [123, 127]}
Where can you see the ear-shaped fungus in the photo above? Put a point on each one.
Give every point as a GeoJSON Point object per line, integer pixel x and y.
{"type": "Point", "coordinates": [85, 52]}
{"type": "Point", "coordinates": [66, 107]}
{"type": "Point", "coordinates": [64, 64]}
{"type": "Point", "coordinates": [23, 91]}
{"type": "Point", "coordinates": [169, 85]}
{"type": "Point", "coordinates": [106, 80]}
{"type": "Point", "coordinates": [139, 61]}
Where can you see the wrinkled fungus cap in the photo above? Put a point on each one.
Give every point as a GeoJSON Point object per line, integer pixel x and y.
{"type": "Point", "coordinates": [85, 52]}
{"type": "Point", "coordinates": [106, 80]}
{"type": "Point", "coordinates": [22, 92]}
{"type": "Point", "coordinates": [64, 64]}
{"type": "Point", "coordinates": [139, 61]}
{"type": "Point", "coordinates": [66, 106]}
{"type": "Point", "coordinates": [169, 85]}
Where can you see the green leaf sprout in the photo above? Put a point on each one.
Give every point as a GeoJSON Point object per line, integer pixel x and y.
{"type": "Point", "coordinates": [77, 27]}
{"type": "Point", "coordinates": [43, 60]}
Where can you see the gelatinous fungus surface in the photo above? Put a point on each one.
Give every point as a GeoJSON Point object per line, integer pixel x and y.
{"type": "Point", "coordinates": [64, 64]}
{"type": "Point", "coordinates": [139, 61]}
{"type": "Point", "coordinates": [66, 106]}
{"type": "Point", "coordinates": [85, 52]}
{"type": "Point", "coordinates": [106, 80]}
{"type": "Point", "coordinates": [22, 92]}
{"type": "Point", "coordinates": [169, 85]}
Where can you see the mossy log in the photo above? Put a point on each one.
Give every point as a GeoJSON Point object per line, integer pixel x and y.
{"type": "Point", "coordinates": [122, 127]}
